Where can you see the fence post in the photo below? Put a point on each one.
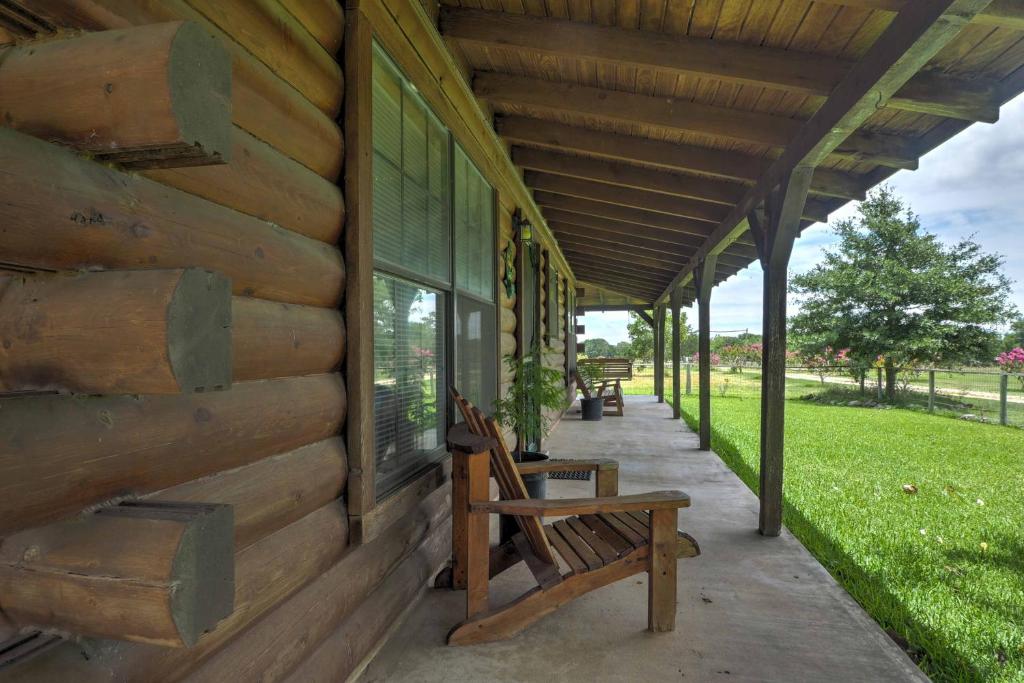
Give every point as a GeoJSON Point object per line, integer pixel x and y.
{"type": "Point", "coordinates": [931, 391]}
{"type": "Point", "coordinates": [689, 383]}
{"type": "Point", "coordinates": [863, 374]}
{"type": "Point", "coordinates": [1004, 386]}
{"type": "Point", "coordinates": [880, 392]}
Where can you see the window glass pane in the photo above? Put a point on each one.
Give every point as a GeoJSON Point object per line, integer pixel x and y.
{"type": "Point", "coordinates": [474, 229]}
{"type": "Point", "coordinates": [475, 355]}
{"type": "Point", "coordinates": [409, 378]}
{"type": "Point", "coordinates": [411, 192]}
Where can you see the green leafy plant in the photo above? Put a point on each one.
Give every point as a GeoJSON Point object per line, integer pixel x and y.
{"type": "Point", "coordinates": [590, 373]}
{"type": "Point", "coordinates": [535, 390]}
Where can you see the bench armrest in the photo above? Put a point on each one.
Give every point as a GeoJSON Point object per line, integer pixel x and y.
{"type": "Point", "coordinates": [566, 466]}
{"type": "Point", "coordinates": [562, 507]}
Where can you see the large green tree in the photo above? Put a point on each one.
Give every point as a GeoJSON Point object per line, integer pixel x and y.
{"type": "Point", "coordinates": [641, 337]}
{"type": "Point", "coordinates": [892, 291]}
{"type": "Point", "coordinates": [597, 348]}
{"type": "Point", "coordinates": [1015, 337]}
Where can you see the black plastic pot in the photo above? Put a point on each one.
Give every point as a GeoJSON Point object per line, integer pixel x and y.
{"type": "Point", "coordinates": [593, 408]}
{"type": "Point", "coordinates": [536, 487]}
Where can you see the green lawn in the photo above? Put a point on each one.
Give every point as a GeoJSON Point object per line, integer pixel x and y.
{"type": "Point", "coordinates": [943, 567]}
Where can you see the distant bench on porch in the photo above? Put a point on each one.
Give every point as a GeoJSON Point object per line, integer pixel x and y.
{"type": "Point", "coordinates": [612, 369]}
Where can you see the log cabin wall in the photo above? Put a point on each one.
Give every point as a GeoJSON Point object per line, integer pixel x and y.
{"type": "Point", "coordinates": [180, 273]}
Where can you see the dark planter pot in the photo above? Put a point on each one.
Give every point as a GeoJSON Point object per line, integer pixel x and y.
{"type": "Point", "coordinates": [593, 408]}
{"type": "Point", "coordinates": [536, 487]}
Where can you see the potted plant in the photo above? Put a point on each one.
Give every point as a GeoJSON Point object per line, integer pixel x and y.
{"type": "Point", "coordinates": [592, 408]}
{"type": "Point", "coordinates": [534, 390]}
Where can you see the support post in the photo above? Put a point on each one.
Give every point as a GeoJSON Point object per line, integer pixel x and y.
{"type": "Point", "coordinates": [705, 280]}
{"type": "Point", "coordinates": [675, 305]}
{"type": "Point", "coordinates": [774, 231]}
{"type": "Point", "coordinates": [931, 391]}
{"type": "Point", "coordinates": [881, 391]}
{"type": "Point", "coordinates": [659, 353]}
{"type": "Point", "coordinates": [1004, 387]}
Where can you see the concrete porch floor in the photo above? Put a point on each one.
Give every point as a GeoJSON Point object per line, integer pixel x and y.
{"type": "Point", "coordinates": [750, 608]}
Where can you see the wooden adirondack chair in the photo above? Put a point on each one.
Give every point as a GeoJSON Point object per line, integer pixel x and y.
{"type": "Point", "coordinates": [601, 540]}
{"type": "Point", "coordinates": [612, 398]}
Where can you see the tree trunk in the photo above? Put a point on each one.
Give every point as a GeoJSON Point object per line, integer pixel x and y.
{"type": "Point", "coordinates": [890, 380]}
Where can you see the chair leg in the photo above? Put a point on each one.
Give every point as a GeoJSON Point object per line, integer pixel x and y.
{"type": "Point", "coordinates": [661, 584]}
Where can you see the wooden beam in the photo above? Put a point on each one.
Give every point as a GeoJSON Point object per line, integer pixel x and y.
{"type": "Point", "coordinates": [152, 96]}
{"type": "Point", "coordinates": [134, 445]}
{"type": "Point", "coordinates": [1004, 13]}
{"type": "Point", "coordinates": [672, 156]}
{"type": "Point", "coordinates": [621, 263]}
{"type": "Point", "coordinates": [619, 195]}
{"type": "Point", "coordinates": [608, 224]}
{"type": "Point", "coordinates": [643, 315]}
{"type": "Point", "coordinates": [681, 115]}
{"type": "Point", "coordinates": [675, 302]}
{"type": "Point", "coordinates": [629, 175]}
{"type": "Point", "coordinates": [548, 200]}
{"type": "Point", "coordinates": [116, 332]}
{"type": "Point", "coordinates": [913, 37]}
{"type": "Point", "coordinates": [616, 283]}
{"type": "Point", "coordinates": [358, 247]}
{"type": "Point", "coordinates": [705, 281]}
{"type": "Point", "coordinates": [151, 572]}
{"type": "Point", "coordinates": [614, 173]}
{"type": "Point", "coordinates": [102, 218]}
{"type": "Point", "coordinates": [608, 251]}
{"type": "Point", "coordinates": [731, 62]}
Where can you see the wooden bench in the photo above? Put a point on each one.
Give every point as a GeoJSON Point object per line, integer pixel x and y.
{"type": "Point", "coordinates": [612, 371]}
{"type": "Point", "coordinates": [600, 540]}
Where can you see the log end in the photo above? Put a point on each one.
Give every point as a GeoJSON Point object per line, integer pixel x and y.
{"type": "Point", "coordinates": [199, 79]}
{"type": "Point", "coordinates": [199, 331]}
{"type": "Point", "coordinates": [203, 573]}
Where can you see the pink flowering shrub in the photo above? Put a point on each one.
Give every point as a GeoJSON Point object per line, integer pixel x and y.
{"type": "Point", "coordinates": [1012, 361]}
{"type": "Point", "coordinates": [715, 358]}
{"type": "Point", "coordinates": [827, 361]}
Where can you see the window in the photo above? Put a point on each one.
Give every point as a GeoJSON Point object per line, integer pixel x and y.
{"type": "Point", "coordinates": [475, 253]}
{"type": "Point", "coordinates": [434, 283]}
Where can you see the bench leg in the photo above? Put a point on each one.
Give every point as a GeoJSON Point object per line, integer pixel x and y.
{"type": "Point", "coordinates": [661, 584]}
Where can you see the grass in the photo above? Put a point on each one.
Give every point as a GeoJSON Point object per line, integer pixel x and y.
{"type": "Point", "coordinates": [943, 567]}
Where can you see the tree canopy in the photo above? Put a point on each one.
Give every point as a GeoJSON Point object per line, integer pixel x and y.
{"type": "Point", "coordinates": [892, 292]}
{"type": "Point", "coordinates": [641, 337]}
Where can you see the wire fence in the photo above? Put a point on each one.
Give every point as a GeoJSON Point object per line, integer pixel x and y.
{"type": "Point", "coordinates": [983, 395]}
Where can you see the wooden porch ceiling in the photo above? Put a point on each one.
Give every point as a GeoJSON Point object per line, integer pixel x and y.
{"type": "Point", "coordinates": [647, 129]}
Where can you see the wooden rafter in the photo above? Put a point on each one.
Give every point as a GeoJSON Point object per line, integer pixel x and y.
{"type": "Point", "coordinates": [914, 36]}
{"type": "Point", "coordinates": [643, 248]}
{"type": "Point", "coordinates": [672, 156]}
{"type": "Point", "coordinates": [806, 74]}
{"type": "Point", "coordinates": [668, 246]}
{"type": "Point", "coordinates": [624, 196]}
{"type": "Point", "coordinates": [681, 115]}
{"type": "Point", "coordinates": [548, 200]}
{"type": "Point", "coordinates": [622, 227]}
{"type": "Point", "coordinates": [1004, 13]}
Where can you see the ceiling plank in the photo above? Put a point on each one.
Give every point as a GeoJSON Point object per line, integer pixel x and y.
{"type": "Point", "coordinates": [622, 213]}
{"type": "Point", "coordinates": [673, 156]}
{"type": "Point", "coordinates": [681, 115]}
{"type": "Point", "coordinates": [803, 73]}
{"type": "Point", "coordinates": [1004, 13]}
{"type": "Point", "coordinates": [621, 227]}
{"type": "Point", "coordinates": [622, 196]}
{"type": "Point", "coordinates": [672, 246]}
{"type": "Point", "coordinates": [913, 37]}
{"type": "Point", "coordinates": [663, 255]}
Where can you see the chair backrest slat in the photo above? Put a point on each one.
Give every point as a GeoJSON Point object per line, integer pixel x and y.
{"type": "Point", "coordinates": [503, 466]}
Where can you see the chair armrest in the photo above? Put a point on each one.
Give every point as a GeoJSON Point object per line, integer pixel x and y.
{"type": "Point", "coordinates": [562, 507]}
{"type": "Point", "coordinates": [460, 438]}
{"type": "Point", "coordinates": [566, 466]}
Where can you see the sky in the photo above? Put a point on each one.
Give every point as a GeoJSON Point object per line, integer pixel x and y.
{"type": "Point", "coordinates": [973, 185]}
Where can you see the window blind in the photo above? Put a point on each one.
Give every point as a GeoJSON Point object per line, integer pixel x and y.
{"type": "Point", "coordinates": [474, 229]}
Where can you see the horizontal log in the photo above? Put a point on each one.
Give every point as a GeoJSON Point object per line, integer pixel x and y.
{"type": "Point", "coordinates": [63, 454]}
{"type": "Point", "coordinates": [324, 19]}
{"type": "Point", "coordinates": [346, 650]}
{"type": "Point", "coordinates": [272, 339]}
{"type": "Point", "coordinates": [508, 320]}
{"type": "Point", "coordinates": [721, 60]}
{"type": "Point", "coordinates": [156, 95]}
{"type": "Point", "coordinates": [266, 574]}
{"type": "Point", "coordinates": [668, 113]}
{"type": "Point", "coordinates": [61, 211]}
{"type": "Point", "coordinates": [262, 103]}
{"type": "Point", "coordinates": [278, 40]}
{"type": "Point", "coordinates": [402, 502]}
{"type": "Point", "coordinates": [116, 332]}
{"type": "Point", "coordinates": [675, 156]}
{"type": "Point", "coordinates": [155, 572]}
{"type": "Point", "coordinates": [284, 638]}
{"type": "Point", "coordinates": [271, 493]}
{"type": "Point", "coordinates": [260, 181]}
